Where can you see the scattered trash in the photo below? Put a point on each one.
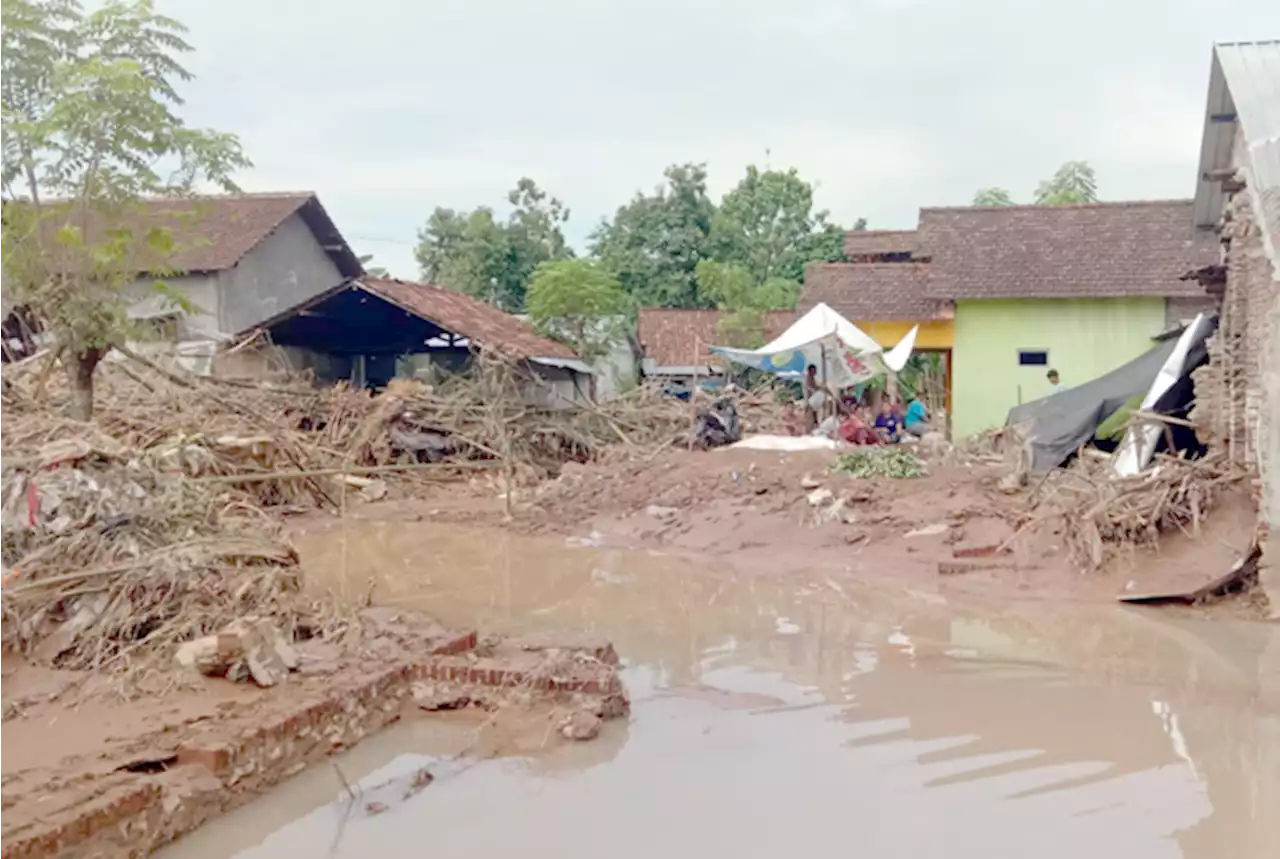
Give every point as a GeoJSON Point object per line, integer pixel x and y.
{"type": "Point", "coordinates": [581, 725]}
{"type": "Point", "coordinates": [933, 530]}
{"type": "Point", "coordinates": [248, 649]}
{"type": "Point", "coordinates": [660, 512]}
{"type": "Point", "coordinates": [819, 497]}
{"type": "Point", "coordinates": [1242, 576]}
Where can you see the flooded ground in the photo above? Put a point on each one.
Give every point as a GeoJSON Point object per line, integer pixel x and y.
{"type": "Point", "coordinates": [776, 714]}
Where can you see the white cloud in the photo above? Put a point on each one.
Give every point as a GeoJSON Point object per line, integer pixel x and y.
{"type": "Point", "coordinates": [391, 107]}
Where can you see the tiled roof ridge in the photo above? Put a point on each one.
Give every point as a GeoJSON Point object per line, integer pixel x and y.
{"type": "Point", "coordinates": [1022, 207]}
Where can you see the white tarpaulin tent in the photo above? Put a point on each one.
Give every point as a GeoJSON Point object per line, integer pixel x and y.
{"type": "Point", "coordinates": [843, 353]}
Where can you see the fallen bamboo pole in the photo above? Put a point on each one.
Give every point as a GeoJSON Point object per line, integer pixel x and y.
{"type": "Point", "coordinates": [329, 472]}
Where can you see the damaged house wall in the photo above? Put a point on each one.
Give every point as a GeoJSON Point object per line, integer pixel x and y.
{"type": "Point", "coordinates": [1238, 197]}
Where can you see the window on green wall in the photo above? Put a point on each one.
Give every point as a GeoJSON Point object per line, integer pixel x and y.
{"type": "Point", "coordinates": [1033, 358]}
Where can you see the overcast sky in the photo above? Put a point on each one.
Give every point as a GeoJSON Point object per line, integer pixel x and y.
{"type": "Point", "coordinates": [388, 108]}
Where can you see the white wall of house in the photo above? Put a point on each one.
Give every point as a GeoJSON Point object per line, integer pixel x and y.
{"type": "Point", "coordinates": [285, 269]}
{"type": "Point", "coordinates": [616, 371]}
{"type": "Point", "coordinates": [288, 267]}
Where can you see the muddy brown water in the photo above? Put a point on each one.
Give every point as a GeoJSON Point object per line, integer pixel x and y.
{"type": "Point", "coordinates": [801, 714]}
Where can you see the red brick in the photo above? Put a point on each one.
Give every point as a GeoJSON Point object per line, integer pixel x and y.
{"type": "Point", "coordinates": [216, 759]}
{"type": "Point", "coordinates": [982, 538]}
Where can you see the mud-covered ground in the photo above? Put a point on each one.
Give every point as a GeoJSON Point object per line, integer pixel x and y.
{"type": "Point", "coordinates": [761, 513]}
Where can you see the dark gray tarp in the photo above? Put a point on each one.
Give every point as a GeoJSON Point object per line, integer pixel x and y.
{"type": "Point", "coordinates": [1059, 424]}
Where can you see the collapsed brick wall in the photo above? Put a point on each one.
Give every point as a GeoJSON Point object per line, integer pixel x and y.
{"type": "Point", "coordinates": [1229, 393]}
{"type": "Point", "coordinates": [1237, 390]}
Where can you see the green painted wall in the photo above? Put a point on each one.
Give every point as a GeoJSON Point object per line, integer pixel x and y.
{"type": "Point", "coordinates": [1084, 338]}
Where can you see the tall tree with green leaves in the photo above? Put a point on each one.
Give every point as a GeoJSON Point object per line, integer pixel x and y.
{"type": "Point", "coordinates": [476, 253]}
{"type": "Point", "coordinates": [1072, 183]}
{"type": "Point", "coordinates": [992, 197]}
{"type": "Point", "coordinates": [578, 302]}
{"type": "Point", "coordinates": [767, 223]}
{"type": "Point", "coordinates": [654, 243]}
{"type": "Point", "coordinates": [90, 128]}
{"type": "Point", "coordinates": [743, 301]}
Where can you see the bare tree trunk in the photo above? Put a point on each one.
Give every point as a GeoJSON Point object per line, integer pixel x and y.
{"type": "Point", "coordinates": [80, 374]}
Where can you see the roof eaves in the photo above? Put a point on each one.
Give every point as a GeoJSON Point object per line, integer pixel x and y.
{"type": "Point", "coordinates": [330, 238]}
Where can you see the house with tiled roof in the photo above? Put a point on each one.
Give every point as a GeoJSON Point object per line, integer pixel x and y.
{"type": "Point", "coordinates": [236, 260]}
{"type": "Point", "coordinates": [1078, 289]}
{"type": "Point", "coordinates": [240, 259]}
{"type": "Point", "coordinates": [1237, 204]}
{"type": "Point", "coordinates": [1010, 292]}
{"type": "Point", "coordinates": [369, 330]}
{"type": "Point", "coordinates": [676, 343]}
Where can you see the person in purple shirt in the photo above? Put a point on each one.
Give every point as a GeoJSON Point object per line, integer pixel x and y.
{"type": "Point", "coordinates": [888, 422]}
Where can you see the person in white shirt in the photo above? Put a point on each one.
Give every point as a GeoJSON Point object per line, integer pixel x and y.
{"type": "Point", "coordinates": [1055, 382]}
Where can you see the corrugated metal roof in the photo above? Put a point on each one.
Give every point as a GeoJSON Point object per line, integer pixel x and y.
{"type": "Point", "coordinates": [1244, 92]}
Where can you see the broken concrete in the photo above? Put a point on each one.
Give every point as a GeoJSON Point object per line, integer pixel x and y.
{"type": "Point", "coordinates": [252, 648]}
{"type": "Point", "coordinates": [216, 765]}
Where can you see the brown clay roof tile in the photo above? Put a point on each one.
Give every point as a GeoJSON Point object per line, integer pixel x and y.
{"type": "Point", "coordinates": [872, 292]}
{"type": "Point", "coordinates": [1101, 250]}
{"type": "Point", "coordinates": [867, 242]}
{"type": "Point", "coordinates": [485, 326]}
{"type": "Point", "coordinates": [680, 338]}
{"type": "Point", "coordinates": [213, 233]}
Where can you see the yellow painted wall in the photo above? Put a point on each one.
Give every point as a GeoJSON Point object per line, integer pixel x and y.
{"type": "Point", "coordinates": [1085, 338]}
{"type": "Point", "coordinates": [934, 334]}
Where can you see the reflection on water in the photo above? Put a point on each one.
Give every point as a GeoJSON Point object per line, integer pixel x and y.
{"type": "Point", "coordinates": [785, 714]}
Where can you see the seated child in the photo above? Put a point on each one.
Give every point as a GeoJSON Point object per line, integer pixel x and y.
{"type": "Point", "coordinates": [888, 423]}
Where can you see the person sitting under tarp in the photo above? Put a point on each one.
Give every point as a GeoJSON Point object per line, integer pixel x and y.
{"type": "Point", "coordinates": [888, 422]}
{"type": "Point", "coordinates": [854, 430]}
{"type": "Point", "coordinates": [916, 420]}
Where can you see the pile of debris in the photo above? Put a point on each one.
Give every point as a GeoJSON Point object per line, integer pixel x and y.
{"type": "Point", "coordinates": [302, 447]}
{"type": "Point", "coordinates": [1098, 510]}
{"type": "Point", "coordinates": [158, 523]}
{"type": "Point", "coordinates": [111, 559]}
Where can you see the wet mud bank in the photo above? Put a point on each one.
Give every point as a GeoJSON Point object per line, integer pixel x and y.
{"type": "Point", "coordinates": [146, 790]}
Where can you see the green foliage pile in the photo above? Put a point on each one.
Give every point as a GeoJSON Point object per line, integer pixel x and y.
{"type": "Point", "coordinates": [879, 461]}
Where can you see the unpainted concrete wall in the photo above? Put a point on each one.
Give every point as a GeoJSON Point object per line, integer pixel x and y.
{"type": "Point", "coordinates": [287, 268]}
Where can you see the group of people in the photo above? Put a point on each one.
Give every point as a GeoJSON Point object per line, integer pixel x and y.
{"type": "Point", "coordinates": [876, 418]}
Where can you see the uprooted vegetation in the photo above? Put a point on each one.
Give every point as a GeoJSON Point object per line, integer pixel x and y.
{"type": "Point", "coordinates": [160, 521]}
{"type": "Point", "coordinates": [1100, 513]}
{"type": "Point", "coordinates": [879, 461]}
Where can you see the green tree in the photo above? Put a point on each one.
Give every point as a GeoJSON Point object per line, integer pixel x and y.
{"type": "Point", "coordinates": [992, 197]}
{"type": "Point", "coordinates": [654, 243]}
{"type": "Point", "coordinates": [579, 303]}
{"type": "Point", "coordinates": [475, 253]}
{"type": "Point", "coordinates": [767, 224]}
{"type": "Point", "coordinates": [743, 301]}
{"type": "Point", "coordinates": [1072, 183]}
{"type": "Point", "coordinates": [89, 124]}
